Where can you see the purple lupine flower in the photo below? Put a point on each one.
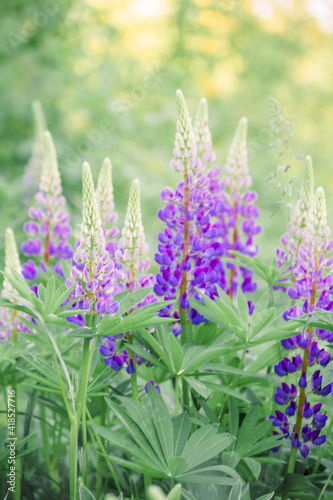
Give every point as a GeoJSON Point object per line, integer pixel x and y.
{"type": "Point", "coordinates": [200, 214]}
{"type": "Point", "coordinates": [105, 200]}
{"type": "Point", "coordinates": [48, 230]}
{"type": "Point", "coordinates": [238, 212]}
{"type": "Point", "coordinates": [312, 273]}
{"type": "Point", "coordinates": [152, 382]}
{"type": "Point", "coordinates": [93, 268]}
{"type": "Point", "coordinates": [11, 323]}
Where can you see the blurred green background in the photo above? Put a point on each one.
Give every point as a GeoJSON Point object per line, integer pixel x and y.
{"type": "Point", "coordinates": [106, 73]}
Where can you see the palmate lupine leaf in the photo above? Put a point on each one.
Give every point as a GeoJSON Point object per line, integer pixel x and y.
{"type": "Point", "coordinates": [160, 447]}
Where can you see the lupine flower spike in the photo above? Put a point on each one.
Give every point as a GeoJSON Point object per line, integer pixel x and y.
{"type": "Point", "coordinates": [299, 221]}
{"type": "Point", "coordinates": [312, 272]}
{"type": "Point", "coordinates": [105, 200]}
{"type": "Point", "coordinates": [33, 169]}
{"type": "Point", "coordinates": [239, 213]}
{"type": "Point", "coordinates": [131, 254]}
{"type": "Point", "coordinates": [10, 319]}
{"type": "Point", "coordinates": [93, 267]}
{"type": "Point", "coordinates": [48, 229]}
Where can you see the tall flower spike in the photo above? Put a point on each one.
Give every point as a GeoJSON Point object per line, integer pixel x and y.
{"type": "Point", "coordinates": [202, 134]}
{"type": "Point", "coordinates": [133, 246]}
{"type": "Point", "coordinates": [301, 219]}
{"type": "Point", "coordinates": [93, 266]}
{"type": "Point", "coordinates": [238, 211]}
{"type": "Point", "coordinates": [105, 200]}
{"type": "Point", "coordinates": [12, 261]}
{"type": "Point", "coordinates": [10, 323]}
{"type": "Point", "coordinates": [33, 169]}
{"type": "Point", "coordinates": [184, 153]}
{"type": "Point", "coordinates": [50, 220]}
{"type": "Point", "coordinates": [312, 273]}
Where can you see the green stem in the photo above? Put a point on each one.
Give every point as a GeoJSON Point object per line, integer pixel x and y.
{"type": "Point", "coordinates": [73, 459]}
{"type": "Point", "coordinates": [147, 481]}
{"type": "Point", "coordinates": [82, 396]}
{"type": "Point", "coordinates": [290, 470]}
{"type": "Point", "coordinates": [176, 396]}
{"type": "Point", "coordinates": [134, 381]}
{"type": "Point", "coordinates": [100, 444]}
{"type": "Point", "coordinates": [325, 485]}
{"type": "Point", "coordinates": [185, 386]}
{"type": "Point", "coordinates": [99, 480]}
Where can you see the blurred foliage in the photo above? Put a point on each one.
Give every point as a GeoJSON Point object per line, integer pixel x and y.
{"type": "Point", "coordinates": [106, 74]}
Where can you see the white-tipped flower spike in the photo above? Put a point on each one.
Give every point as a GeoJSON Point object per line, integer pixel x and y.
{"type": "Point", "coordinates": [12, 261]}
{"type": "Point", "coordinates": [184, 153]}
{"type": "Point", "coordinates": [202, 133]}
{"type": "Point", "coordinates": [105, 200]}
{"type": "Point", "coordinates": [319, 219]}
{"type": "Point", "coordinates": [50, 182]}
{"type": "Point", "coordinates": [33, 169]}
{"type": "Point", "coordinates": [49, 220]}
{"type": "Point", "coordinates": [132, 241]}
{"type": "Point", "coordinates": [237, 158]}
{"type": "Point", "coordinates": [92, 262]}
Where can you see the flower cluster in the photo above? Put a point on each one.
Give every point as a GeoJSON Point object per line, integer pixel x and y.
{"type": "Point", "coordinates": [11, 323]}
{"type": "Point", "coordinates": [299, 221]}
{"type": "Point", "coordinates": [312, 277]}
{"type": "Point", "coordinates": [105, 200]}
{"type": "Point", "coordinates": [48, 230]}
{"type": "Point", "coordinates": [93, 268]}
{"type": "Point", "coordinates": [205, 217]}
{"type": "Point", "coordinates": [132, 250]}
{"type": "Point", "coordinates": [117, 360]}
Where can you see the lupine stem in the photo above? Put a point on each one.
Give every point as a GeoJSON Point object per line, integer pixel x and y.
{"type": "Point", "coordinates": [147, 481]}
{"type": "Point", "coordinates": [325, 485]}
{"type": "Point", "coordinates": [134, 381]}
{"type": "Point", "coordinates": [99, 480]}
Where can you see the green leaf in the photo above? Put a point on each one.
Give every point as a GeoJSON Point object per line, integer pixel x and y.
{"type": "Point", "coordinates": [145, 423]}
{"type": "Point", "coordinates": [181, 431]}
{"type": "Point", "coordinates": [49, 295]}
{"type": "Point", "coordinates": [162, 421]}
{"type": "Point", "coordinates": [201, 476]}
{"type": "Point", "coordinates": [253, 466]}
{"type": "Point", "coordinates": [327, 375]}
{"type": "Point", "coordinates": [267, 358]}
{"type": "Point", "coordinates": [132, 299]}
{"type": "Point", "coordinates": [135, 431]}
{"type": "Point", "coordinates": [198, 437]}
{"type": "Point", "coordinates": [198, 386]}
{"type": "Point", "coordinates": [85, 494]}
{"type": "Point", "coordinates": [226, 390]}
{"type": "Point", "coordinates": [109, 327]}
{"type": "Point", "coordinates": [177, 465]}
{"type": "Point", "coordinates": [209, 449]}
{"type": "Point", "coordinates": [125, 444]}
{"type": "Point", "coordinates": [175, 493]}
{"type": "Point", "coordinates": [233, 416]}
{"type": "Point", "coordinates": [243, 309]}
{"type": "Point", "coordinates": [236, 491]}
{"type": "Point", "coordinates": [197, 356]}
{"type": "Point", "coordinates": [248, 426]}
{"type": "Point", "coordinates": [266, 497]}
{"type": "Point", "coordinates": [176, 353]}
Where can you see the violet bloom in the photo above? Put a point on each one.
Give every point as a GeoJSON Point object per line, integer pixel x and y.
{"type": "Point", "coordinates": [11, 323]}
{"type": "Point", "coordinates": [313, 281]}
{"type": "Point", "coordinates": [48, 230]}
{"type": "Point", "coordinates": [238, 212]}
{"type": "Point", "coordinates": [93, 267]}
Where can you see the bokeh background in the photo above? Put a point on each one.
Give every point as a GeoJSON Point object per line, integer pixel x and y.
{"type": "Point", "coordinates": [106, 72]}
